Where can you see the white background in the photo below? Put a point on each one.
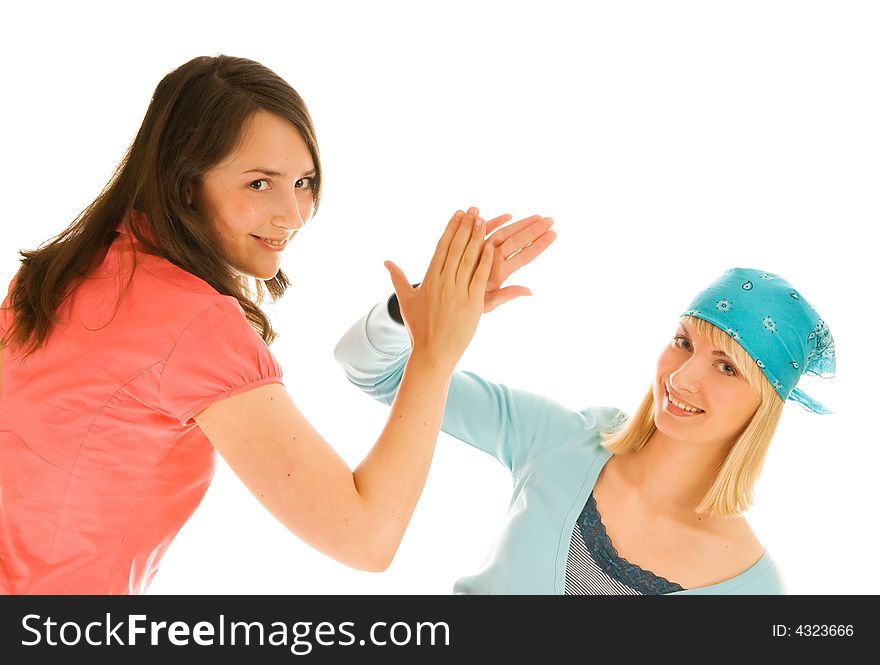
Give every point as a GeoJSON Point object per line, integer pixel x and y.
{"type": "Point", "coordinates": [669, 141]}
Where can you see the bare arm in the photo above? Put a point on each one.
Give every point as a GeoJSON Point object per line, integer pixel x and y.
{"type": "Point", "coordinates": [359, 517]}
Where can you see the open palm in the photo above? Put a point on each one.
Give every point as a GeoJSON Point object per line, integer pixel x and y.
{"type": "Point", "coordinates": [515, 245]}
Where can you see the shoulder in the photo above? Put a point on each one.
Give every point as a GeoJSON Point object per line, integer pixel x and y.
{"type": "Point", "coordinates": [763, 577]}
{"type": "Point", "coordinates": [601, 419]}
{"type": "Point", "coordinates": [562, 425]}
{"type": "Point", "coordinates": [737, 536]}
{"type": "Point", "coordinates": [154, 285]}
{"type": "Point", "coordinates": [213, 355]}
{"type": "Point", "coordinates": [169, 298]}
{"type": "Point", "coordinates": [173, 281]}
{"type": "Point", "coordinates": [145, 304]}
{"type": "Point", "coordinates": [580, 432]}
{"type": "Point", "coordinates": [734, 554]}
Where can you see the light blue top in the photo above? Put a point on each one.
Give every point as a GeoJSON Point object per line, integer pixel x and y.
{"type": "Point", "coordinates": [553, 453]}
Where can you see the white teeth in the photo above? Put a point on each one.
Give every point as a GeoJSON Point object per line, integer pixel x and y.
{"type": "Point", "coordinates": [683, 407]}
{"type": "Point", "coordinates": [273, 242]}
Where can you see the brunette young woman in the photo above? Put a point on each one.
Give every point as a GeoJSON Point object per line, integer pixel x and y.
{"type": "Point", "coordinates": [134, 348]}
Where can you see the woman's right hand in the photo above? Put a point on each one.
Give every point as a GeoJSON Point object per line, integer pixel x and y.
{"type": "Point", "coordinates": [442, 313]}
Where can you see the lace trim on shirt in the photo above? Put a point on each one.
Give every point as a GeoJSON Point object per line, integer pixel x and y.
{"type": "Point", "coordinates": [599, 544]}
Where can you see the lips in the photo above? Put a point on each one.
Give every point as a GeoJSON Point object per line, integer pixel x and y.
{"type": "Point", "coordinates": [273, 244]}
{"type": "Point", "coordinates": [679, 407]}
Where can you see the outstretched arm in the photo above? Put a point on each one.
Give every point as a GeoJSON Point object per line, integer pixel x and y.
{"type": "Point", "coordinates": [359, 517]}
{"type": "Point", "coordinates": [510, 424]}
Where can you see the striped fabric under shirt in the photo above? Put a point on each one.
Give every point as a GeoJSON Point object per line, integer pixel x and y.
{"type": "Point", "coordinates": [595, 569]}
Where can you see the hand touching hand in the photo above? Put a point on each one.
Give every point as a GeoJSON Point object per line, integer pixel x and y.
{"type": "Point", "coordinates": [442, 313]}
{"type": "Point", "coordinates": [514, 246]}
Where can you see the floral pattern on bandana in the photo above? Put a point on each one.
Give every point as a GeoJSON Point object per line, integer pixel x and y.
{"type": "Point", "coordinates": [774, 324]}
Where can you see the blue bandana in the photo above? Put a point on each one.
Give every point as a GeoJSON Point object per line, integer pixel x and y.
{"type": "Point", "coordinates": [775, 325]}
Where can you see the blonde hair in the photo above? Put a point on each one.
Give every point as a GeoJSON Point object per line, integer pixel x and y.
{"type": "Point", "coordinates": [732, 492]}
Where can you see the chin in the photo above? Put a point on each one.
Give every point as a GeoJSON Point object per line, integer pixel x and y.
{"type": "Point", "coordinates": [671, 426]}
{"type": "Point", "coordinates": [258, 273]}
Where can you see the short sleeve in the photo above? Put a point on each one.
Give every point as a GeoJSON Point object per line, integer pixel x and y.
{"type": "Point", "coordinates": [217, 355]}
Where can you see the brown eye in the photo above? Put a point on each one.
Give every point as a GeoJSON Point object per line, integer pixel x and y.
{"type": "Point", "coordinates": [305, 183]}
{"type": "Point", "coordinates": [259, 185]}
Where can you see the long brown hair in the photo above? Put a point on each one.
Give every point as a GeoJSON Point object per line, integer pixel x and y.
{"type": "Point", "coordinates": [194, 120]}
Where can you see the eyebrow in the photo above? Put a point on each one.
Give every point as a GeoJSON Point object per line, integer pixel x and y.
{"type": "Point", "coordinates": [270, 172]}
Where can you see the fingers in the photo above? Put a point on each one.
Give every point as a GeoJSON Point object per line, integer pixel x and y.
{"type": "Point", "coordinates": [471, 256]}
{"type": "Point", "coordinates": [517, 236]}
{"type": "Point", "coordinates": [494, 223]}
{"type": "Point", "coordinates": [530, 252]}
{"type": "Point", "coordinates": [478, 283]}
{"type": "Point", "coordinates": [458, 250]}
{"type": "Point", "coordinates": [504, 233]}
{"type": "Point", "coordinates": [442, 251]}
{"type": "Point", "coordinates": [460, 242]}
{"type": "Point", "coordinates": [402, 287]}
{"type": "Point", "coordinates": [508, 293]}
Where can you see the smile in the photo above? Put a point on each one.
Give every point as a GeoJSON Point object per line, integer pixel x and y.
{"type": "Point", "coordinates": [678, 408]}
{"type": "Point", "coordinates": [273, 245]}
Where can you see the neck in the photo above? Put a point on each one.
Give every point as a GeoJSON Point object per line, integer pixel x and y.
{"type": "Point", "coordinates": [671, 476]}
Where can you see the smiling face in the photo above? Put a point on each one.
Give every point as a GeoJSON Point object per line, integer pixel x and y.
{"type": "Point", "coordinates": [701, 394]}
{"type": "Point", "coordinates": [259, 196]}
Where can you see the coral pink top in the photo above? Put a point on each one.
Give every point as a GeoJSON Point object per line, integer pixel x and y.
{"type": "Point", "coordinates": [101, 462]}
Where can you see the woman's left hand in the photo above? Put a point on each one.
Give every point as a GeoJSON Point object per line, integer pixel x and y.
{"type": "Point", "coordinates": [515, 245]}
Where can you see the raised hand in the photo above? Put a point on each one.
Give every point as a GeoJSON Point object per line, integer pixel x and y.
{"type": "Point", "coordinates": [513, 246]}
{"type": "Point", "coordinates": [442, 313]}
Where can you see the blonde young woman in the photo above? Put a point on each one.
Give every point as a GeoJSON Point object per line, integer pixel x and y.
{"type": "Point", "coordinates": [650, 504]}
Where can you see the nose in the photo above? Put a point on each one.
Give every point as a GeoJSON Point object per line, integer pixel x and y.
{"type": "Point", "coordinates": [296, 210]}
{"type": "Point", "coordinates": [687, 378]}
